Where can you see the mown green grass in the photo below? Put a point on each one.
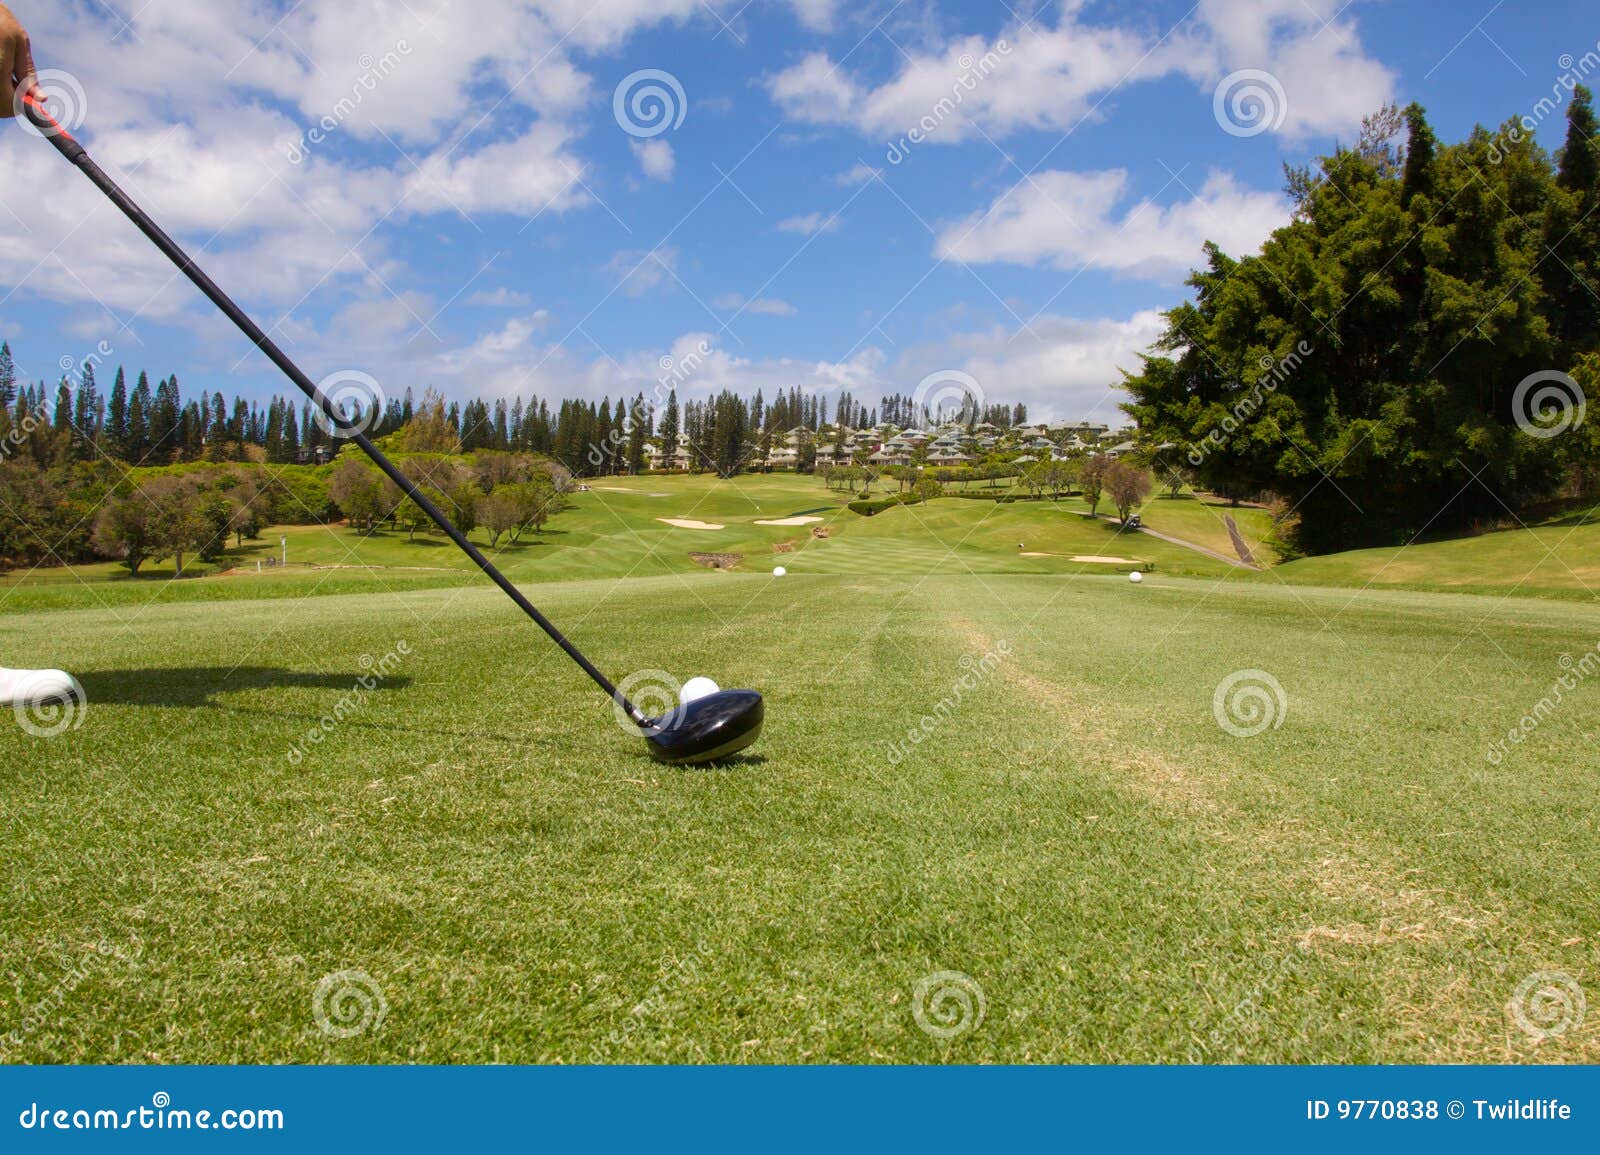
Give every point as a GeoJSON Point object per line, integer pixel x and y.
{"type": "Point", "coordinates": [614, 530]}
{"type": "Point", "coordinates": [1559, 558]}
{"type": "Point", "coordinates": [1124, 880]}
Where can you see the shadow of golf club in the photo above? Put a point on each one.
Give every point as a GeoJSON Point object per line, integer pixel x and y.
{"type": "Point", "coordinates": [198, 685]}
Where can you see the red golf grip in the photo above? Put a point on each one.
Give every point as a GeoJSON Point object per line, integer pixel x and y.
{"type": "Point", "coordinates": [39, 116]}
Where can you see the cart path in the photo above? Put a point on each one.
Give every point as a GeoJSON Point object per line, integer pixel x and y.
{"type": "Point", "coordinates": [1167, 537]}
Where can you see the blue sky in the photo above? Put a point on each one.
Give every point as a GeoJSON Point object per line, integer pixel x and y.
{"type": "Point", "coordinates": [476, 218]}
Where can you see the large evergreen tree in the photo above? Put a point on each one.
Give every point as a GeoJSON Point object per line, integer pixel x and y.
{"type": "Point", "coordinates": [8, 377]}
{"type": "Point", "coordinates": [139, 406]}
{"type": "Point", "coordinates": [670, 429]}
{"type": "Point", "coordinates": [116, 431]}
{"type": "Point", "coordinates": [1363, 366]}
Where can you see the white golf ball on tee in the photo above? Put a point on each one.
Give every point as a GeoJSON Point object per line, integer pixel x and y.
{"type": "Point", "coordinates": [1136, 577]}
{"type": "Point", "coordinates": [778, 571]}
{"type": "Point", "coordinates": [697, 688]}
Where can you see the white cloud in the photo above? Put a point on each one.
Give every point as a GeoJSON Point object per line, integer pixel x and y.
{"type": "Point", "coordinates": [771, 306]}
{"type": "Point", "coordinates": [529, 174]}
{"type": "Point", "coordinates": [1033, 76]}
{"type": "Point", "coordinates": [859, 174]}
{"type": "Point", "coordinates": [1062, 368]}
{"type": "Point", "coordinates": [655, 158]}
{"type": "Point", "coordinates": [818, 15]}
{"type": "Point", "coordinates": [199, 106]}
{"type": "Point", "coordinates": [501, 298]}
{"type": "Point", "coordinates": [637, 272]}
{"type": "Point", "coordinates": [810, 223]}
{"type": "Point", "coordinates": [1070, 220]}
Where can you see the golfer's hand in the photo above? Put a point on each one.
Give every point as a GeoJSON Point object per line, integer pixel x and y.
{"type": "Point", "coordinates": [16, 63]}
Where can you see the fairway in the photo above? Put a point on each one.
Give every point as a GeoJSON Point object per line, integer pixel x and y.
{"type": "Point", "coordinates": [1120, 878]}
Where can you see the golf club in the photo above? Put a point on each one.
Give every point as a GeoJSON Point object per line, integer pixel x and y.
{"type": "Point", "coordinates": [703, 730]}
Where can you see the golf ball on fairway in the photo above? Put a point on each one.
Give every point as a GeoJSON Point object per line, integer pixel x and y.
{"type": "Point", "coordinates": [697, 688]}
{"type": "Point", "coordinates": [1136, 577]}
{"type": "Point", "coordinates": [778, 571]}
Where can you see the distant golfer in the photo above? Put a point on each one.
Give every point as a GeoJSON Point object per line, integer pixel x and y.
{"type": "Point", "coordinates": [23, 687]}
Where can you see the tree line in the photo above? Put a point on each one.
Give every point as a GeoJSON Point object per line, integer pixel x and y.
{"type": "Point", "coordinates": [79, 421]}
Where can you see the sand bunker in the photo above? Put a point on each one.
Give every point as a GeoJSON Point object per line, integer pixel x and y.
{"type": "Point", "coordinates": [1030, 553]}
{"type": "Point", "coordinates": [789, 521]}
{"type": "Point", "coordinates": [1106, 560]}
{"type": "Point", "coordinates": [689, 523]}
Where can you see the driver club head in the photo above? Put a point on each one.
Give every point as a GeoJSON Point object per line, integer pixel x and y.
{"type": "Point", "coordinates": [707, 728]}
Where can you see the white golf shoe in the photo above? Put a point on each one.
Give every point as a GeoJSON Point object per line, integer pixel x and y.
{"type": "Point", "coordinates": [37, 687]}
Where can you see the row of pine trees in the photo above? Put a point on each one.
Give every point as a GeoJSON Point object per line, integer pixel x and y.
{"type": "Point", "coordinates": [145, 425]}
